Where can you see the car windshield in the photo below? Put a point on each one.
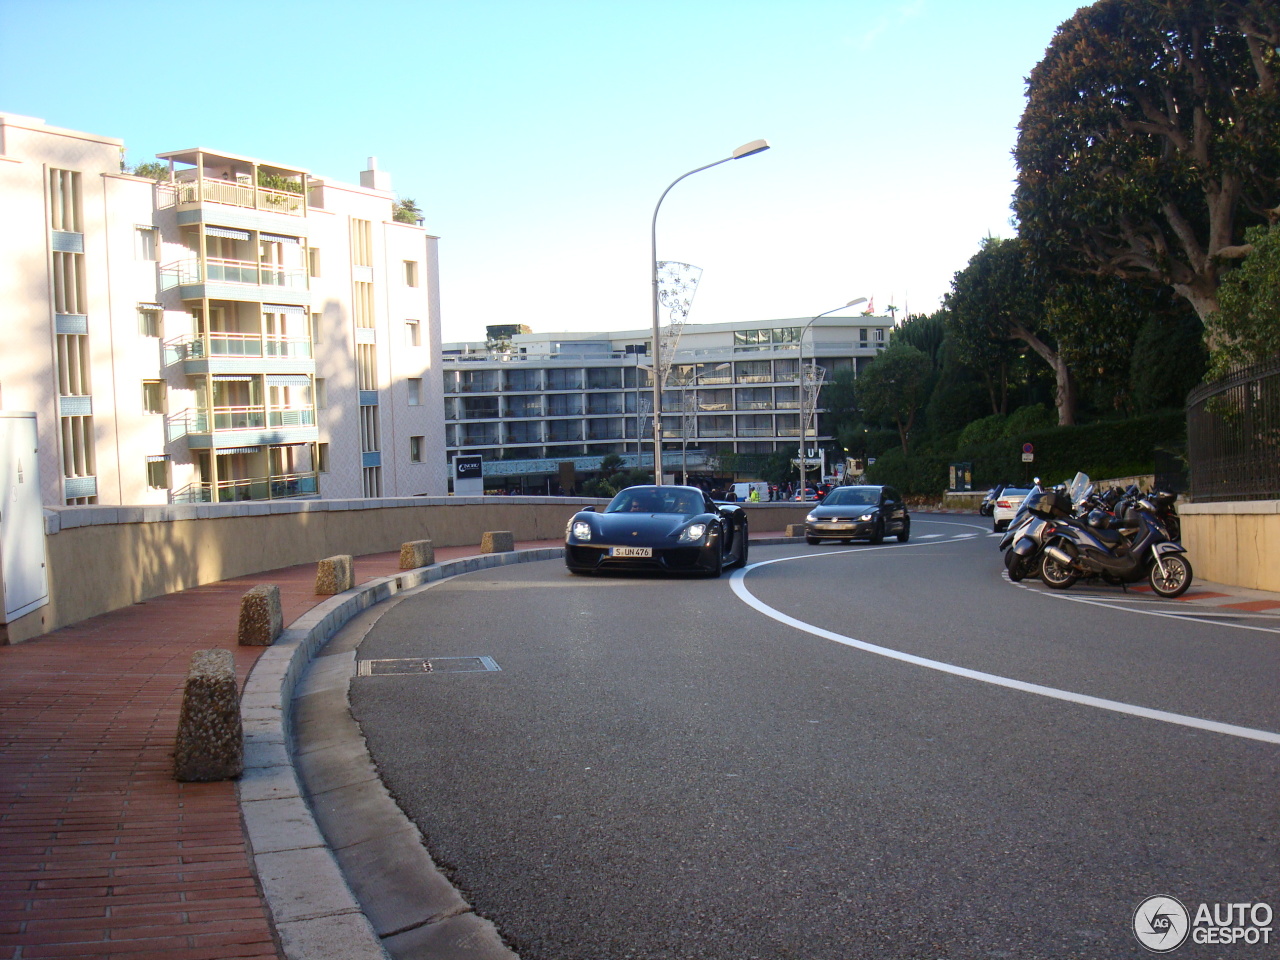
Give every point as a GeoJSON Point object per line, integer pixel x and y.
{"type": "Point", "coordinates": [655, 500]}
{"type": "Point", "coordinates": [852, 497]}
{"type": "Point", "coordinates": [1012, 493]}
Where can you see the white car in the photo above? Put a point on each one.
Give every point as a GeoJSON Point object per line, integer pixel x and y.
{"type": "Point", "coordinates": [1006, 506]}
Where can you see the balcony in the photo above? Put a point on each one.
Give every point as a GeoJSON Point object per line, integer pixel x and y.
{"type": "Point", "coordinates": [248, 426]}
{"type": "Point", "coordinates": [221, 344]}
{"type": "Point", "coordinates": [186, 273]}
{"type": "Point", "coordinates": [234, 193]}
{"type": "Point", "coordinates": [281, 487]}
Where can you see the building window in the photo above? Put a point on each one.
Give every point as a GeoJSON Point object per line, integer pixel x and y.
{"type": "Point", "coordinates": [362, 243]}
{"type": "Point", "coordinates": [149, 318]}
{"type": "Point", "coordinates": [362, 303]}
{"type": "Point", "coordinates": [415, 449]}
{"type": "Point", "coordinates": [322, 393]}
{"type": "Point", "coordinates": [73, 365]}
{"type": "Point", "coordinates": [373, 481]}
{"type": "Point", "coordinates": [158, 472]}
{"type": "Point", "coordinates": [370, 433]}
{"type": "Point", "coordinates": [412, 333]}
{"type": "Point", "coordinates": [147, 246]}
{"type": "Point", "coordinates": [315, 328]}
{"type": "Point", "coordinates": [879, 334]}
{"type": "Point", "coordinates": [366, 366]}
{"type": "Point", "coordinates": [322, 458]}
{"type": "Point", "coordinates": [68, 283]}
{"type": "Point", "coordinates": [411, 273]}
{"type": "Point", "coordinates": [153, 396]}
{"type": "Point", "coordinates": [313, 261]}
{"type": "Point", "coordinates": [64, 201]}
{"type": "Point", "coordinates": [415, 391]}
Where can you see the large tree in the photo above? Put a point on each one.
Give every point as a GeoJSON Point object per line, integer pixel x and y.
{"type": "Point", "coordinates": [997, 300]}
{"type": "Point", "coordinates": [894, 386]}
{"type": "Point", "coordinates": [1248, 325]}
{"type": "Point", "coordinates": [1151, 140]}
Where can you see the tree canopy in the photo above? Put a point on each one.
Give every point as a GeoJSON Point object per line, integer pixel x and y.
{"type": "Point", "coordinates": [1151, 140]}
{"type": "Point", "coordinates": [1248, 324]}
{"type": "Point", "coordinates": [894, 386]}
{"type": "Point", "coordinates": [998, 299]}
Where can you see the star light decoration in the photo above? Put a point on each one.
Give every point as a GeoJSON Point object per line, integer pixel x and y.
{"type": "Point", "coordinates": [677, 283]}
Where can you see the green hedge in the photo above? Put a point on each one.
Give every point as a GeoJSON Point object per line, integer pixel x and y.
{"type": "Point", "coordinates": [1120, 448]}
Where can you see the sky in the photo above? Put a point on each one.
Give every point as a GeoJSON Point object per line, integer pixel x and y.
{"type": "Point", "coordinates": [538, 137]}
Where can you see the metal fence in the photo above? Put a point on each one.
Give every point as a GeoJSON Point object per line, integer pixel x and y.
{"type": "Point", "coordinates": [1233, 436]}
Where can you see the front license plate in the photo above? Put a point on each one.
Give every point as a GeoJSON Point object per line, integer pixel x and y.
{"type": "Point", "coordinates": [836, 526]}
{"type": "Point", "coordinates": [631, 552]}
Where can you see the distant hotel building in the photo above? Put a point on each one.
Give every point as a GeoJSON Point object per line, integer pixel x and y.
{"type": "Point", "coordinates": [241, 331]}
{"type": "Point", "coordinates": [527, 402]}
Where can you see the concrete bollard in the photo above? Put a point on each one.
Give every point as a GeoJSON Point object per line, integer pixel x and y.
{"type": "Point", "coordinates": [795, 529]}
{"type": "Point", "coordinates": [335, 575]}
{"type": "Point", "coordinates": [261, 616]}
{"type": "Point", "coordinates": [416, 553]}
{"type": "Point", "coordinates": [210, 742]}
{"type": "Point", "coordinates": [497, 541]}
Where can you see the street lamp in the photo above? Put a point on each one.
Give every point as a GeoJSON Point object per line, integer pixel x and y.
{"type": "Point", "coordinates": [813, 377]}
{"type": "Point", "coordinates": [746, 150]}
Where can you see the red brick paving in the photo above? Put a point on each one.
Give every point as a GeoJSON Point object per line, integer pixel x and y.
{"type": "Point", "coordinates": [102, 853]}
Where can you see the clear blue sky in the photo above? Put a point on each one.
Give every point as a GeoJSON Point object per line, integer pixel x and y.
{"type": "Point", "coordinates": [537, 136]}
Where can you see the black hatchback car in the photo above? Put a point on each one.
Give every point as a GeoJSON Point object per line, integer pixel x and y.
{"type": "Point", "coordinates": [859, 513]}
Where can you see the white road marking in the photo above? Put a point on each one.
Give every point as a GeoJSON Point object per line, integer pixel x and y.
{"type": "Point", "coordinates": [738, 583]}
{"type": "Point", "coordinates": [930, 536]}
{"type": "Point", "coordinates": [1115, 604]}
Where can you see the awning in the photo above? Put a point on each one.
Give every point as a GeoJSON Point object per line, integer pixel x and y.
{"type": "Point", "coordinates": [284, 308]}
{"type": "Point", "coordinates": [276, 238]}
{"type": "Point", "coordinates": [157, 457]}
{"type": "Point", "coordinates": [226, 232]}
{"type": "Point", "coordinates": [149, 306]}
{"type": "Point", "coordinates": [232, 451]}
{"type": "Point", "coordinates": [231, 378]}
{"type": "Point", "coordinates": [287, 380]}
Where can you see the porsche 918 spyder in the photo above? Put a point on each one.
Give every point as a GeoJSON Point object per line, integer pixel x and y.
{"type": "Point", "coordinates": [667, 528]}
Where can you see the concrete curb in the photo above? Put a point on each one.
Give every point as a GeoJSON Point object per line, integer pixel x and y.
{"type": "Point", "coordinates": [316, 913]}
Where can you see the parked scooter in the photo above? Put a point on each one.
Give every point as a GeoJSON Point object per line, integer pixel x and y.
{"type": "Point", "coordinates": [1133, 545]}
{"type": "Point", "coordinates": [1024, 542]}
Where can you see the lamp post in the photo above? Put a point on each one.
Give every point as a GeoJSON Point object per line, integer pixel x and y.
{"type": "Point", "coordinates": [813, 376]}
{"type": "Point", "coordinates": [746, 150]}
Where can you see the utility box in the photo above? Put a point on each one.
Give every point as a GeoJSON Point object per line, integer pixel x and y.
{"type": "Point", "coordinates": [22, 556]}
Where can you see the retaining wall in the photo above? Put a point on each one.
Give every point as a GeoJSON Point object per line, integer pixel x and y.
{"type": "Point", "coordinates": [1234, 543]}
{"type": "Point", "coordinates": [103, 558]}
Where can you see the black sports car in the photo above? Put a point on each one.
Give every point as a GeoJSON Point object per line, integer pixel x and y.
{"type": "Point", "coordinates": [677, 529]}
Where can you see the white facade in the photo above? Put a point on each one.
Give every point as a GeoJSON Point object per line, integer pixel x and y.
{"type": "Point", "coordinates": [236, 332]}
{"type": "Point", "coordinates": [539, 399]}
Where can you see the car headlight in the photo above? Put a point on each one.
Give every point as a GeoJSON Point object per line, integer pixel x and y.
{"type": "Point", "coordinates": [811, 518]}
{"type": "Point", "coordinates": [867, 516]}
{"type": "Point", "coordinates": [694, 531]}
{"type": "Point", "coordinates": [580, 530]}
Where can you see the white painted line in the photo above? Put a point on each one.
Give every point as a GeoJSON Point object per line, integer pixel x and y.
{"type": "Point", "coordinates": [931, 536]}
{"type": "Point", "coordinates": [738, 583]}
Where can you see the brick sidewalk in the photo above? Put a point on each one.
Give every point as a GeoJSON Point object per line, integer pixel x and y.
{"type": "Point", "coordinates": [102, 852]}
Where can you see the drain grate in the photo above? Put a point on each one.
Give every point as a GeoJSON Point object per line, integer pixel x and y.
{"type": "Point", "coordinates": [386, 668]}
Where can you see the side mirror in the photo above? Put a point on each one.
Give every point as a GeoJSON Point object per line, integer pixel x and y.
{"type": "Point", "coordinates": [591, 508]}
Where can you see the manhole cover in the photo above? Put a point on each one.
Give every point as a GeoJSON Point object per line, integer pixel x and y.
{"type": "Point", "coordinates": [383, 668]}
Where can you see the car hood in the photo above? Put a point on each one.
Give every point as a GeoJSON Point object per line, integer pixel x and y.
{"type": "Point", "coordinates": [825, 512]}
{"type": "Point", "coordinates": [641, 527]}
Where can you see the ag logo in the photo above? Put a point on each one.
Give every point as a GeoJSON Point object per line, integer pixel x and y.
{"type": "Point", "coordinates": [1161, 924]}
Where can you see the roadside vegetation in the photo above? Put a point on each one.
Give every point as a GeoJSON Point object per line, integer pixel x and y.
{"type": "Point", "coordinates": [1146, 259]}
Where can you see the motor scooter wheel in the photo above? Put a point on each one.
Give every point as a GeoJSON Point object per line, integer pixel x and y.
{"type": "Point", "coordinates": [1176, 578]}
{"type": "Point", "coordinates": [1055, 575]}
{"type": "Point", "coordinates": [1015, 566]}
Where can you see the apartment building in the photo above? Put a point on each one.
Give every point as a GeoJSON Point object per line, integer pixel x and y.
{"type": "Point", "coordinates": [239, 330]}
{"type": "Point", "coordinates": [529, 401]}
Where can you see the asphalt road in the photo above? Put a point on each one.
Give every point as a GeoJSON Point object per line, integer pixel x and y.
{"type": "Point", "coordinates": [672, 768]}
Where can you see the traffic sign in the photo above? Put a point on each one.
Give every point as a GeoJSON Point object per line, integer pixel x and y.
{"type": "Point", "coordinates": [1028, 448]}
{"type": "Point", "coordinates": [1028, 457]}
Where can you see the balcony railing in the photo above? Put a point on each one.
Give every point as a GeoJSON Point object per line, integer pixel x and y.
{"type": "Point", "coordinates": [280, 487]}
{"type": "Point", "coordinates": [239, 418]}
{"type": "Point", "coordinates": [185, 272]}
{"type": "Point", "coordinates": [234, 193]}
{"type": "Point", "coordinates": [240, 345]}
